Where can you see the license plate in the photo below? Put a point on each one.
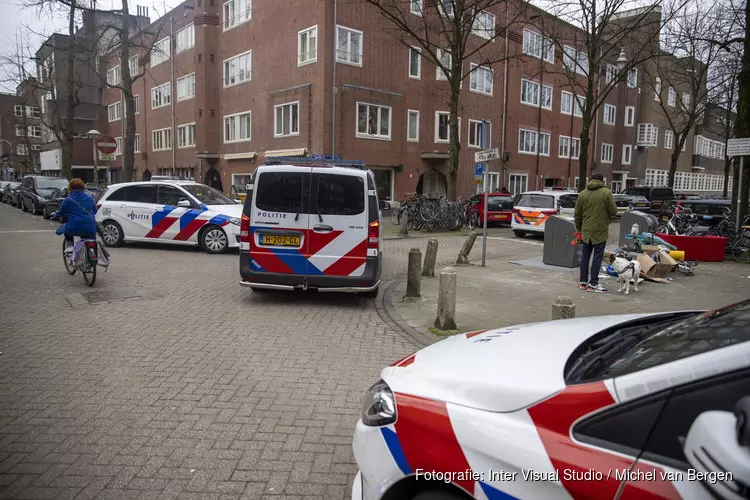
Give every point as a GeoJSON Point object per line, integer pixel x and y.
{"type": "Point", "coordinates": [279, 241]}
{"type": "Point", "coordinates": [641, 205]}
{"type": "Point", "coordinates": [532, 219]}
{"type": "Point", "coordinates": [498, 216]}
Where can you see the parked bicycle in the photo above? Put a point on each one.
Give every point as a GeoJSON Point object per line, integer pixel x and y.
{"type": "Point", "coordinates": [430, 213]}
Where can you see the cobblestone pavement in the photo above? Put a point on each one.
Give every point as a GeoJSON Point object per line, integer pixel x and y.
{"type": "Point", "coordinates": [196, 389]}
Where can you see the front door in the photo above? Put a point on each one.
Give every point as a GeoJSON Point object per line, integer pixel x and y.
{"type": "Point", "coordinates": [279, 221]}
{"type": "Point", "coordinates": [134, 207]}
{"type": "Point", "coordinates": [338, 222]}
{"type": "Point", "coordinates": [186, 228]}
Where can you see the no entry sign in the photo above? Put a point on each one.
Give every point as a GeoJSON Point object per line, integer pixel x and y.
{"type": "Point", "coordinates": [106, 144]}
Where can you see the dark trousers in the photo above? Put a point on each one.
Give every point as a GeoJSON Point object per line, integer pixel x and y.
{"type": "Point", "coordinates": [596, 263]}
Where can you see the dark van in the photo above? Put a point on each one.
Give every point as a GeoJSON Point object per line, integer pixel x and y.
{"type": "Point", "coordinates": [656, 195]}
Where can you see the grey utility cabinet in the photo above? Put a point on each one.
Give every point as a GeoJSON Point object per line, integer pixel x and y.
{"type": "Point", "coordinates": [558, 236]}
{"type": "Point", "coordinates": [636, 222]}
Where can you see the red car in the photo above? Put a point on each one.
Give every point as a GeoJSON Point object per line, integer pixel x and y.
{"type": "Point", "coordinates": [499, 208]}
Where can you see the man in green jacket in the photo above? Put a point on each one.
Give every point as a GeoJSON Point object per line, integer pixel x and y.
{"type": "Point", "coordinates": [594, 208]}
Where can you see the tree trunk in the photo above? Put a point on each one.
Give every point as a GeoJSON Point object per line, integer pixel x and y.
{"type": "Point", "coordinates": [68, 131]}
{"type": "Point", "coordinates": [454, 149]}
{"type": "Point", "coordinates": [727, 166]}
{"type": "Point", "coordinates": [735, 176]}
{"type": "Point", "coordinates": [673, 166]}
{"type": "Point", "coordinates": [128, 153]}
{"type": "Point", "coordinates": [583, 159]}
{"type": "Point", "coordinates": [66, 158]}
{"type": "Point", "coordinates": [742, 126]}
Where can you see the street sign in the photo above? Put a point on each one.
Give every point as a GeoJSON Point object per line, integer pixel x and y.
{"type": "Point", "coordinates": [480, 169]}
{"type": "Point", "coordinates": [106, 144]}
{"type": "Point", "coordinates": [487, 155]}
{"type": "Point", "coordinates": [104, 157]}
{"type": "Point", "coordinates": [738, 147]}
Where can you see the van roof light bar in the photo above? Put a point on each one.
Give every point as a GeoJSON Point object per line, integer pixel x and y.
{"type": "Point", "coordinates": [327, 160]}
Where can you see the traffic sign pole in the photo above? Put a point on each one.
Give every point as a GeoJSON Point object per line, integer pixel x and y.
{"type": "Point", "coordinates": [484, 202]}
{"type": "Point", "coordinates": [739, 194]}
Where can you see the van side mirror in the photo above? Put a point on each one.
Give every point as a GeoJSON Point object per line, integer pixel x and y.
{"type": "Point", "coordinates": [717, 448]}
{"type": "Point", "coordinates": [183, 203]}
{"type": "Point", "coordinates": [384, 205]}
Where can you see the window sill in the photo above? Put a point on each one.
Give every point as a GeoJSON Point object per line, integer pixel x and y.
{"type": "Point", "coordinates": [237, 24]}
{"type": "Point", "coordinates": [238, 83]}
{"type": "Point", "coordinates": [488, 94]}
{"type": "Point", "coordinates": [186, 147]}
{"type": "Point", "coordinates": [186, 98]}
{"type": "Point", "coordinates": [442, 141]}
{"type": "Point", "coordinates": [373, 137]}
{"type": "Point", "coordinates": [349, 63]}
{"type": "Point", "coordinates": [160, 150]}
{"type": "Point", "coordinates": [412, 140]}
{"type": "Point", "coordinates": [412, 77]}
{"type": "Point", "coordinates": [177, 52]}
{"type": "Point", "coordinates": [159, 63]}
{"type": "Point", "coordinates": [296, 134]}
{"type": "Point", "coordinates": [237, 141]}
{"type": "Point", "coordinates": [162, 106]}
{"type": "Point", "coordinates": [472, 146]}
{"type": "Point", "coordinates": [307, 63]}
{"type": "Point", "coordinates": [533, 154]}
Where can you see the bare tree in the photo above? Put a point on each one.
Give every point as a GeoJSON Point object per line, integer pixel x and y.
{"type": "Point", "coordinates": [601, 42]}
{"type": "Point", "coordinates": [687, 68]}
{"type": "Point", "coordinates": [729, 64]}
{"type": "Point", "coordinates": [454, 35]}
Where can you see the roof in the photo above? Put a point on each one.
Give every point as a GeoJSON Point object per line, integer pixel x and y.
{"type": "Point", "coordinates": [137, 183]}
{"type": "Point", "coordinates": [553, 193]}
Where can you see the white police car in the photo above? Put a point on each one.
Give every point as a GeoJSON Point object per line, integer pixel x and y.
{"type": "Point", "coordinates": [627, 407]}
{"type": "Point", "coordinates": [173, 212]}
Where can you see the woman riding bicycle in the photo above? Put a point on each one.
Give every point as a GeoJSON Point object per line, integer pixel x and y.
{"type": "Point", "coordinates": [80, 208]}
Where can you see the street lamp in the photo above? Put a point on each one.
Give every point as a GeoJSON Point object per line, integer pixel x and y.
{"type": "Point", "coordinates": [622, 60]}
{"type": "Point", "coordinates": [94, 134]}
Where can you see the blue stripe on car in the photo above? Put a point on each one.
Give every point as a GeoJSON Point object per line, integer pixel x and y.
{"type": "Point", "coordinates": [394, 446]}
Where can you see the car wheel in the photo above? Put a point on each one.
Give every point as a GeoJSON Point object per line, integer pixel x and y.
{"type": "Point", "coordinates": [371, 294]}
{"type": "Point", "coordinates": [519, 234]}
{"type": "Point", "coordinates": [213, 239]}
{"type": "Point", "coordinates": [112, 234]}
{"type": "Point", "coordinates": [23, 205]}
{"type": "Point", "coordinates": [35, 209]}
{"type": "Point", "coordinates": [45, 213]}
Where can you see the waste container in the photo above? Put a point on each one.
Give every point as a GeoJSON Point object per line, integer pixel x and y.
{"type": "Point", "coordinates": [636, 222]}
{"type": "Point", "coordinates": [558, 235]}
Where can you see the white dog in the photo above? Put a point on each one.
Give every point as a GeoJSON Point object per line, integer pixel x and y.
{"type": "Point", "coordinates": [626, 270]}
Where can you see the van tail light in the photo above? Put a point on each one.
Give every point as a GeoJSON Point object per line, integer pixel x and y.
{"type": "Point", "coordinates": [551, 212]}
{"type": "Point", "coordinates": [245, 229]}
{"type": "Point", "coordinates": [373, 234]}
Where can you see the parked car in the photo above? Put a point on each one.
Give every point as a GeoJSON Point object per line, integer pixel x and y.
{"type": "Point", "coordinates": [627, 202]}
{"type": "Point", "coordinates": [499, 209]}
{"type": "Point", "coordinates": [36, 189]}
{"type": "Point", "coordinates": [56, 199]}
{"type": "Point", "coordinates": [9, 192]}
{"type": "Point", "coordinates": [620, 406]}
{"type": "Point", "coordinates": [311, 225]}
{"type": "Point", "coordinates": [655, 195]}
{"type": "Point", "coordinates": [532, 209]}
{"type": "Point", "coordinates": [173, 212]}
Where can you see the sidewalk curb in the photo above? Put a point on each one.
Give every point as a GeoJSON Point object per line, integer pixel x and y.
{"type": "Point", "coordinates": [388, 313]}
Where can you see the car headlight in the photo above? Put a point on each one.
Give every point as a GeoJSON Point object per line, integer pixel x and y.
{"type": "Point", "coordinates": [379, 406]}
{"type": "Point", "coordinates": [235, 221]}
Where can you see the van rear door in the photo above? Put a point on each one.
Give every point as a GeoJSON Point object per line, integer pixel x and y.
{"type": "Point", "coordinates": [280, 219]}
{"type": "Point", "coordinates": [338, 222]}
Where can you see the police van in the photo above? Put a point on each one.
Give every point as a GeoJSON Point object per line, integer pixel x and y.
{"type": "Point", "coordinates": [311, 223]}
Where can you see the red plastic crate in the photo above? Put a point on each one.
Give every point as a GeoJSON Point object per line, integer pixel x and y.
{"type": "Point", "coordinates": [703, 248]}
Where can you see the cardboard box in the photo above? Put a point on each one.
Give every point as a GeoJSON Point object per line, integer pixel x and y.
{"type": "Point", "coordinates": [650, 249]}
{"type": "Point", "coordinates": [651, 270]}
{"type": "Point", "coordinates": [666, 259]}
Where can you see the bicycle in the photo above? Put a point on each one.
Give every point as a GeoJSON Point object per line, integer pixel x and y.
{"type": "Point", "coordinates": [84, 257]}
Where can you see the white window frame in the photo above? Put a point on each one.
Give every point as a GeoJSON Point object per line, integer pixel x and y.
{"type": "Point", "coordinates": [133, 67]}
{"type": "Point", "coordinates": [409, 114]}
{"type": "Point", "coordinates": [608, 152]}
{"type": "Point", "coordinates": [539, 94]}
{"type": "Point", "coordinates": [627, 158]}
{"type": "Point", "coordinates": [629, 112]}
{"type": "Point", "coordinates": [415, 50]}
{"type": "Point", "coordinates": [21, 150]}
{"type": "Point", "coordinates": [187, 127]}
{"type": "Point", "coordinates": [191, 88]}
{"type": "Point", "coordinates": [610, 73]}
{"type": "Point", "coordinates": [118, 148]}
{"type": "Point", "coordinates": [137, 143]}
{"type": "Point", "coordinates": [345, 57]}
{"type": "Point", "coordinates": [164, 92]}
{"type": "Point", "coordinates": [237, 128]}
{"type": "Point", "coordinates": [563, 97]}
{"type": "Point", "coordinates": [18, 110]}
{"type": "Point", "coordinates": [20, 131]}
{"type": "Point", "coordinates": [441, 54]}
{"type": "Point", "coordinates": [668, 139]}
{"type": "Point", "coordinates": [575, 61]}
{"type": "Point", "coordinates": [113, 76]}
{"type": "Point", "coordinates": [657, 89]}
{"type": "Point", "coordinates": [563, 146]}
{"type": "Point", "coordinates": [36, 147]}
{"type": "Point", "coordinates": [378, 135]}
{"type": "Point", "coordinates": [114, 112]}
{"type": "Point", "coordinates": [609, 109]}
{"type": "Point", "coordinates": [481, 30]}
{"type": "Point", "coordinates": [137, 103]}
{"type": "Point", "coordinates": [286, 112]}
{"type": "Point", "coordinates": [35, 131]}
{"type": "Point", "coordinates": [230, 22]}
{"type": "Point", "coordinates": [234, 65]}
{"type": "Point", "coordinates": [575, 147]}
{"type": "Point", "coordinates": [577, 107]}
{"type": "Point", "coordinates": [672, 97]}
{"type": "Point", "coordinates": [159, 54]}
{"type": "Point", "coordinates": [540, 47]}
{"type": "Point", "coordinates": [188, 32]}
{"type": "Point", "coordinates": [474, 79]}
{"type": "Point", "coordinates": [438, 140]}
{"type": "Point", "coordinates": [311, 55]}
{"type": "Point", "coordinates": [478, 132]}
{"type": "Point", "coordinates": [537, 142]}
{"type": "Point", "coordinates": [524, 181]}
{"type": "Point", "coordinates": [419, 4]}
{"type": "Point", "coordinates": [686, 101]}
{"type": "Point", "coordinates": [165, 135]}
{"type": "Point", "coordinates": [632, 78]}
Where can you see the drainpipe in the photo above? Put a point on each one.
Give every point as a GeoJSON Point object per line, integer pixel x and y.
{"type": "Point", "coordinates": [505, 97]}
{"type": "Point", "coordinates": [172, 91]}
{"type": "Point", "coordinates": [333, 86]}
{"type": "Point", "coordinates": [539, 122]}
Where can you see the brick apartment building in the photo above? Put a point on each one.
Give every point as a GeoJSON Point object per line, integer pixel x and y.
{"type": "Point", "coordinates": [20, 136]}
{"type": "Point", "coordinates": [249, 87]}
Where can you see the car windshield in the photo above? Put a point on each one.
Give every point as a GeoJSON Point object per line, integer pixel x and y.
{"type": "Point", "coordinates": [696, 335]}
{"type": "Point", "coordinates": [42, 183]}
{"type": "Point", "coordinates": [208, 195]}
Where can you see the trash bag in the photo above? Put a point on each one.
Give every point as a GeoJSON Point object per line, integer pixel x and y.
{"type": "Point", "coordinates": [79, 254]}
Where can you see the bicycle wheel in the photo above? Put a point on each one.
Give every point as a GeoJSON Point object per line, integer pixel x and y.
{"type": "Point", "coordinates": [69, 267]}
{"type": "Point", "coordinates": [89, 276]}
{"type": "Point", "coordinates": [741, 254]}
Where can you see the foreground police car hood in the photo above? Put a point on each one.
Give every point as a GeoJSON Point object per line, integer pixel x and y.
{"type": "Point", "coordinates": [498, 370]}
{"type": "Point", "coordinates": [230, 210]}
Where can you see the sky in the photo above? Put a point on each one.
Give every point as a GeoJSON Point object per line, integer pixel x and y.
{"type": "Point", "coordinates": [35, 26]}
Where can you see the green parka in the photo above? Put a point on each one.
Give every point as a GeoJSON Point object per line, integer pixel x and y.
{"type": "Point", "coordinates": [594, 208]}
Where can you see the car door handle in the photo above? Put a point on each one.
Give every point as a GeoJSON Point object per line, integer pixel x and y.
{"type": "Point", "coordinates": [322, 228]}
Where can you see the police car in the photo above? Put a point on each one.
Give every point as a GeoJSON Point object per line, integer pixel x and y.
{"type": "Point", "coordinates": [623, 406]}
{"type": "Point", "coordinates": [172, 212]}
{"type": "Point", "coordinates": [532, 209]}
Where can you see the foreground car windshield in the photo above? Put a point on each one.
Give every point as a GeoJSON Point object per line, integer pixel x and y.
{"type": "Point", "coordinates": [50, 183]}
{"type": "Point", "coordinates": [696, 335]}
{"type": "Point", "coordinates": [208, 195]}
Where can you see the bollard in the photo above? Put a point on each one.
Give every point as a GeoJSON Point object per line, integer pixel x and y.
{"type": "Point", "coordinates": [563, 308]}
{"type": "Point", "coordinates": [413, 280]}
{"type": "Point", "coordinates": [463, 255]}
{"type": "Point", "coordinates": [404, 231]}
{"type": "Point", "coordinates": [430, 257]}
{"type": "Point", "coordinates": [446, 310]}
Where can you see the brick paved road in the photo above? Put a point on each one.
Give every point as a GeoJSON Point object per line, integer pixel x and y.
{"type": "Point", "coordinates": [200, 389]}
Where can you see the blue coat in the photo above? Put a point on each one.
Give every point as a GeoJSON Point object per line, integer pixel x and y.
{"type": "Point", "coordinates": [80, 208]}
